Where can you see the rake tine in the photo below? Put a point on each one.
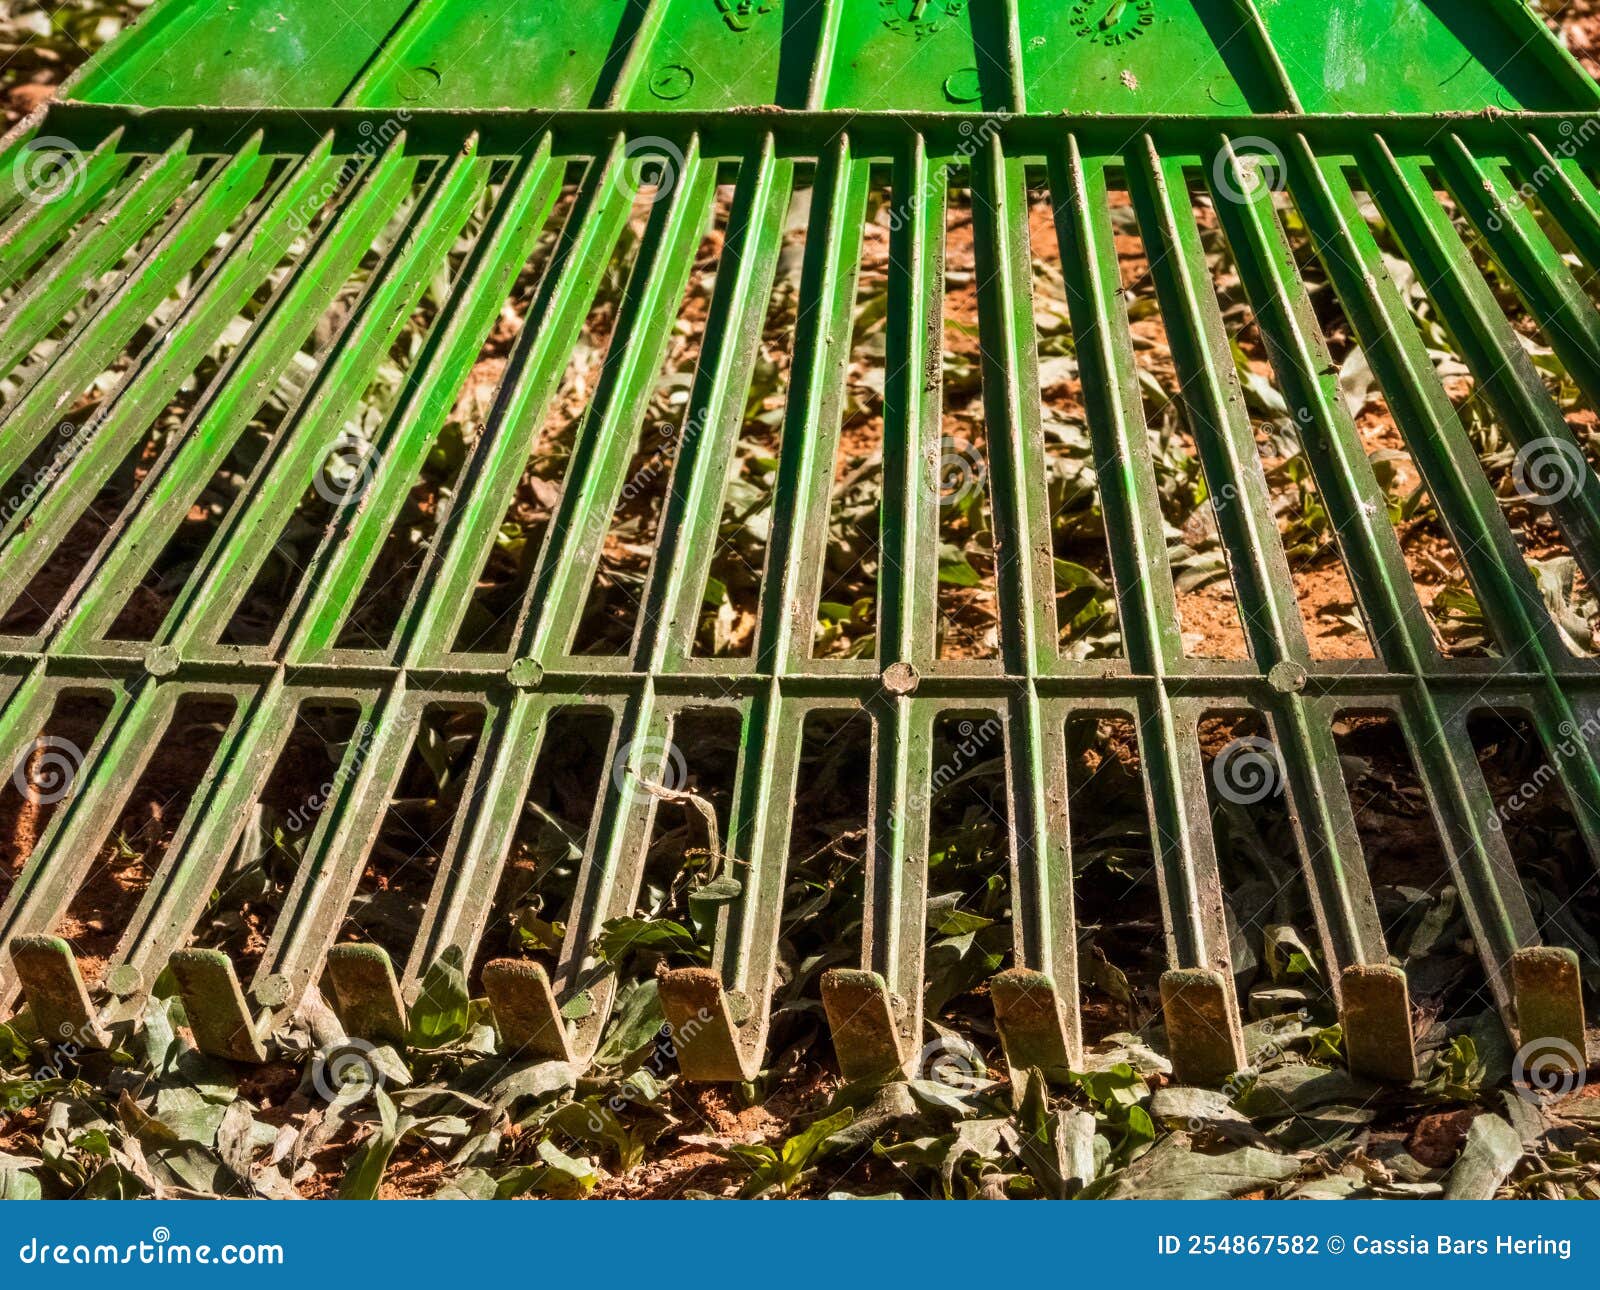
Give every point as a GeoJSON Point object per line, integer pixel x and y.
{"type": "Point", "coordinates": [1375, 1013]}
{"type": "Point", "coordinates": [867, 1023]}
{"type": "Point", "coordinates": [55, 991]}
{"type": "Point", "coordinates": [525, 1010]}
{"type": "Point", "coordinates": [1549, 997]}
{"type": "Point", "coordinates": [1200, 1032]}
{"type": "Point", "coordinates": [366, 995]}
{"type": "Point", "coordinates": [704, 1022]}
{"type": "Point", "coordinates": [218, 1014]}
{"type": "Point", "coordinates": [1033, 1021]}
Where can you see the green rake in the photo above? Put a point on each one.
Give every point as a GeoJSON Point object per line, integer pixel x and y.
{"type": "Point", "coordinates": [214, 143]}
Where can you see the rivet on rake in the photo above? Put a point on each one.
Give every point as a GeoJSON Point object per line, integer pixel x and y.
{"type": "Point", "coordinates": [123, 981]}
{"type": "Point", "coordinates": [161, 660]}
{"type": "Point", "coordinates": [1287, 677]}
{"type": "Point", "coordinates": [525, 674]}
{"type": "Point", "coordinates": [900, 679]}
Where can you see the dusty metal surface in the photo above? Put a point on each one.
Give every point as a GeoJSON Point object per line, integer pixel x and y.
{"type": "Point", "coordinates": [202, 123]}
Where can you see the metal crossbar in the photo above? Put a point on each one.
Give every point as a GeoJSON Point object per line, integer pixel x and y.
{"type": "Point", "coordinates": [396, 145]}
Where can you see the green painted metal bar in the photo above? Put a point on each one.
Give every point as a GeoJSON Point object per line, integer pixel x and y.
{"type": "Point", "coordinates": [1557, 180]}
{"type": "Point", "coordinates": [535, 368]}
{"type": "Point", "coordinates": [1492, 347]}
{"type": "Point", "coordinates": [875, 1012]}
{"type": "Point", "coordinates": [328, 873]}
{"type": "Point", "coordinates": [32, 227]}
{"type": "Point", "coordinates": [1214, 408]}
{"type": "Point", "coordinates": [1024, 565]}
{"type": "Point", "coordinates": [912, 402]}
{"type": "Point", "coordinates": [1546, 286]}
{"type": "Point", "coordinates": [32, 532]}
{"type": "Point", "coordinates": [75, 270]}
{"type": "Point", "coordinates": [813, 413]}
{"type": "Point", "coordinates": [51, 878]}
{"type": "Point", "coordinates": [1342, 900]}
{"type": "Point", "coordinates": [14, 178]}
{"type": "Point", "coordinates": [601, 453]}
{"type": "Point", "coordinates": [686, 544]}
{"type": "Point", "coordinates": [1186, 861]}
{"type": "Point", "coordinates": [733, 999]}
{"type": "Point", "coordinates": [612, 868]}
{"type": "Point", "coordinates": [388, 100]}
{"type": "Point", "coordinates": [189, 872]}
{"type": "Point", "coordinates": [1033, 1016]}
{"type": "Point", "coordinates": [470, 869]}
{"type": "Point", "coordinates": [244, 539]}
{"type": "Point", "coordinates": [333, 578]}
{"type": "Point", "coordinates": [232, 399]}
{"type": "Point", "coordinates": [49, 388]}
{"type": "Point", "coordinates": [1491, 894]}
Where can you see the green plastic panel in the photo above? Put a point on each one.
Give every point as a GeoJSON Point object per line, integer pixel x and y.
{"type": "Point", "coordinates": [1123, 57]}
{"type": "Point", "coordinates": [269, 55]}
